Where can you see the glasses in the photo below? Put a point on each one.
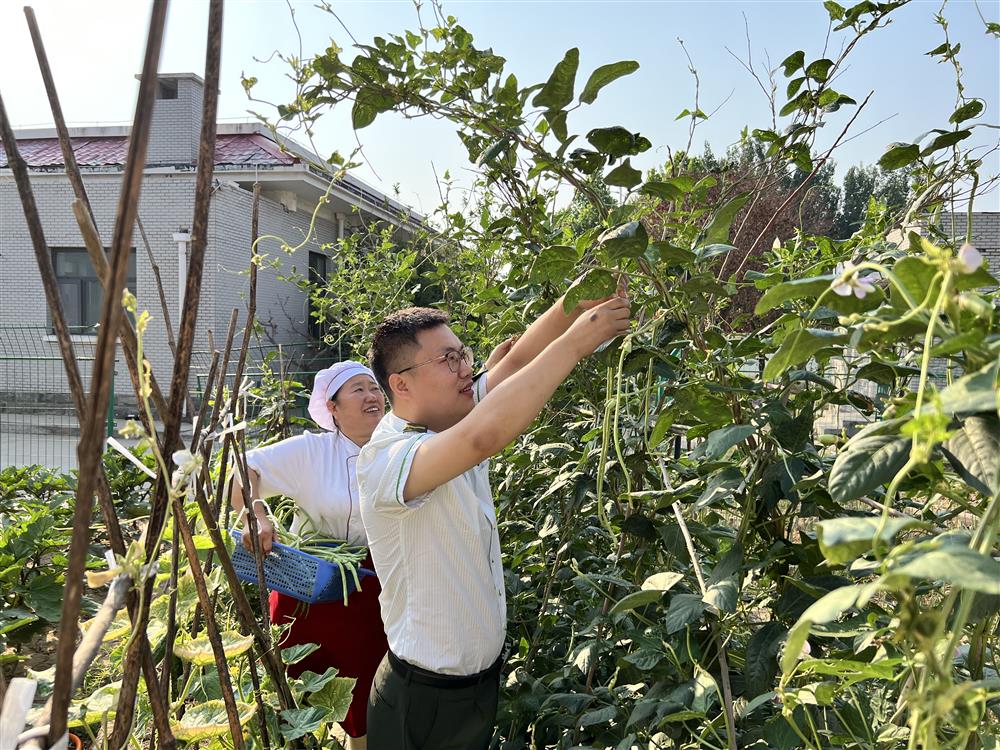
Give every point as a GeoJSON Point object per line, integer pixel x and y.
{"type": "Point", "coordinates": [454, 358]}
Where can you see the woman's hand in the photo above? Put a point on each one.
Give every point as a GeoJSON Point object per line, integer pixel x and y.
{"type": "Point", "coordinates": [500, 352]}
{"type": "Point", "coordinates": [265, 530]}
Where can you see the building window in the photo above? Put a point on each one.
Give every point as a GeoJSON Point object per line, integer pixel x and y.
{"type": "Point", "coordinates": [166, 88]}
{"type": "Point", "coordinates": [80, 288]}
{"type": "Point", "coordinates": [319, 268]}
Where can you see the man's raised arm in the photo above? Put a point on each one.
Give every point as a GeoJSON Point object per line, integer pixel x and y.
{"type": "Point", "coordinates": [513, 405]}
{"type": "Point", "coordinates": [547, 327]}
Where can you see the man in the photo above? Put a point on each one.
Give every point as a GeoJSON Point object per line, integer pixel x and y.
{"type": "Point", "coordinates": [428, 510]}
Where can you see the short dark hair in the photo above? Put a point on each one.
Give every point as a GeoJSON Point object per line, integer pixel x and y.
{"type": "Point", "coordinates": [396, 335]}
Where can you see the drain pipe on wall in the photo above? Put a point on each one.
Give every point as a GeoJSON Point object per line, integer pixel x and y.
{"type": "Point", "coordinates": [182, 239]}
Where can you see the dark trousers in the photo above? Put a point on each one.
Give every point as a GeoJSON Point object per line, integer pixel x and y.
{"type": "Point", "coordinates": [404, 714]}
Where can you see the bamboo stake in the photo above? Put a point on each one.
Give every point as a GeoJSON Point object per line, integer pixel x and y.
{"type": "Point", "coordinates": [211, 626]}
{"type": "Point", "coordinates": [87, 222]}
{"type": "Point", "coordinates": [172, 417]}
{"type": "Point", "coordinates": [171, 341]}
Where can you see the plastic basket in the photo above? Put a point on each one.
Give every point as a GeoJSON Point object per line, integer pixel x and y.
{"type": "Point", "coordinates": [298, 574]}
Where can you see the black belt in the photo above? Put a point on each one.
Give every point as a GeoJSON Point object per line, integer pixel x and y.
{"type": "Point", "coordinates": [446, 681]}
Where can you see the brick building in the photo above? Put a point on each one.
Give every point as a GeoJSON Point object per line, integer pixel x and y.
{"type": "Point", "coordinates": [244, 154]}
{"type": "Point", "coordinates": [985, 233]}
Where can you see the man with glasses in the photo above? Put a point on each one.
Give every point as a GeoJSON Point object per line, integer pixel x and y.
{"type": "Point", "coordinates": [428, 511]}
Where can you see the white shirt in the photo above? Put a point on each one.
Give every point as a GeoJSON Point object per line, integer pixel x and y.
{"type": "Point", "coordinates": [316, 470]}
{"type": "Point", "coordinates": [437, 556]}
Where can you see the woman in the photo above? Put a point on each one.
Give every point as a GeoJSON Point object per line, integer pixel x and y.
{"type": "Point", "coordinates": [316, 470]}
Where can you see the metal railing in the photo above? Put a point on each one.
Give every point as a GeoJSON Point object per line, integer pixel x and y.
{"type": "Point", "coordinates": [38, 424]}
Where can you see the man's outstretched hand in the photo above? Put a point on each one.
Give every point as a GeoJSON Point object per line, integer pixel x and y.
{"type": "Point", "coordinates": [500, 352]}
{"type": "Point", "coordinates": [599, 323]}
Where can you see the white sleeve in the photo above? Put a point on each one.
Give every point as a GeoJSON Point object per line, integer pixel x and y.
{"type": "Point", "coordinates": [384, 467]}
{"type": "Point", "coordinates": [480, 387]}
{"type": "Point", "coordinates": [283, 467]}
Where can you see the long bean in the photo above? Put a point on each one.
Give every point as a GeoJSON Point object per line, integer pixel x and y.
{"type": "Point", "coordinates": [347, 557]}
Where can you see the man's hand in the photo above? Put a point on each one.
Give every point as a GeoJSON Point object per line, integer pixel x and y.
{"type": "Point", "coordinates": [265, 530]}
{"type": "Point", "coordinates": [600, 323]}
{"type": "Point", "coordinates": [500, 352]}
{"type": "Point", "coordinates": [590, 304]}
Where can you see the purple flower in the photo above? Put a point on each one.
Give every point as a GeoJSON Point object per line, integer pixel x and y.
{"type": "Point", "coordinates": [849, 282]}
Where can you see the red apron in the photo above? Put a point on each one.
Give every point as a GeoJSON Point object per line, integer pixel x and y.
{"type": "Point", "coordinates": [350, 638]}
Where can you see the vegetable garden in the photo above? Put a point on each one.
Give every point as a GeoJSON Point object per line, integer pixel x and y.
{"type": "Point", "coordinates": [689, 563]}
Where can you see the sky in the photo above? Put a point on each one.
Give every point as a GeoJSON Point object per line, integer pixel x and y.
{"type": "Point", "coordinates": [95, 49]}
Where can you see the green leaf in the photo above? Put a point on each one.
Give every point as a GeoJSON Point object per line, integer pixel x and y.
{"type": "Point", "coordinates": [720, 486]}
{"type": "Point", "coordinates": [597, 716]}
{"type": "Point", "coordinates": [665, 191]}
{"type": "Point", "coordinates": [720, 441]}
{"type": "Point", "coordinates": [558, 90]}
{"type": "Point", "coordinates": [796, 289]}
{"type": "Point", "coordinates": [707, 252]}
{"type": "Point", "coordinates": [843, 540]}
{"type": "Point", "coordinates": [827, 609]}
{"type": "Point", "coordinates": [295, 654]}
{"type": "Point", "coordinates": [101, 704]}
{"type": "Point", "coordinates": [915, 274]}
{"type": "Point", "coordinates": [617, 142]}
{"type": "Point", "coordinates": [723, 595]}
{"type": "Point", "coordinates": [959, 566]}
{"type": "Point", "coordinates": [635, 600]}
{"type": "Point", "coordinates": [662, 581]}
{"type": "Point", "coordinates": [762, 659]}
{"type": "Point", "coordinates": [298, 722]}
{"type": "Point", "coordinates": [594, 284]}
{"type": "Point", "coordinates": [793, 62]}
{"type": "Point", "coordinates": [209, 719]}
{"type": "Point", "coordinates": [684, 609]}
{"type": "Point", "coordinates": [624, 175]}
{"type": "Point", "coordinates": [335, 697]}
{"type": "Point", "coordinates": [972, 393]}
{"type": "Point", "coordinates": [835, 10]}
{"type": "Point", "coordinates": [867, 463]}
{"type": "Point", "coordinates": [363, 114]}
{"type": "Point", "coordinates": [491, 152]}
{"type": "Point", "coordinates": [310, 682]}
{"type": "Point", "coordinates": [945, 140]}
{"type": "Point", "coordinates": [974, 452]}
{"type": "Point", "coordinates": [605, 75]}
{"type": "Point", "coordinates": [706, 691]}
{"type": "Point", "coordinates": [671, 255]}
{"type": "Point", "coordinates": [798, 347]}
{"type": "Point", "coordinates": [45, 597]}
{"type": "Point", "coordinates": [967, 111]}
{"type": "Point", "coordinates": [557, 122]}
{"type": "Point", "coordinates": [199, 650]}
{"type": "Point", "coordinates": [819, 70]}
{"type": "Point", "coordinates": [660, 429]}
{"type": "Point", "coordinates": [717, 231]}
{"type": "Point", "coordinates": [554, 264]}
{"type": "Point", "coordinates": [880, 371]}
{"type": "Point", "coordinates": [627, 240]}
{"type": "Point", "coordinates": [899, 155]}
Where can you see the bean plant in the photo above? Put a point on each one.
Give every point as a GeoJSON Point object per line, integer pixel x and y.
{"type": "Point", "coordinates": [690, 561]}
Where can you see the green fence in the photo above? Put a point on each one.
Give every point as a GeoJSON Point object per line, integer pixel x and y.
{"type": "Point", "coordinates": [38, 423]}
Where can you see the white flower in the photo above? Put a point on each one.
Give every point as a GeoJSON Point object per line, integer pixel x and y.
{"type": "Point", "coordinates": [187, 464]}
{"type": "Point", "coordinates": [969, 258]}
{"type": "Point", "coordinates": [849, 282]}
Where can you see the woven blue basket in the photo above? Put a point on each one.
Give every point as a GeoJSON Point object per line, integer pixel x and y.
{"type": "Point", "coordinates": [297, 574]}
